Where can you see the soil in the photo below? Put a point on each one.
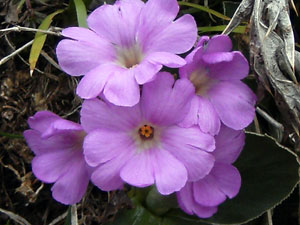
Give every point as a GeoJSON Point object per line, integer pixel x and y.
{"type": "Point", "coordinates": [22, 95]}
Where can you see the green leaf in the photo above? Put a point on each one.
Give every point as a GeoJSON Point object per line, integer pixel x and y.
{"type": "Point", "coordinates": [68, 220]}
{"type": "Point", "coordinates": [181, 221]}
{"type": "Point", "coordinates": [269, 175]}
{"type": "Point", "coordinates": [160, 204]}
{"type": "Point", "coordinates": [138, 195]}
{"type": "Point", "coordinates": [205, 9]}
{"type": "Point", "coordinates": [9, 135]}
{"type": "Point", "coordinates": [71, 218]}
{"type": "Point", "coordinates": [137, 216]}
{"type": "Point", "coordinates": [20, 5]}
{"type": "Point", "coordinates": [39, 40]}
{"type": "Point", "coordinates": [81, 13]}
{"type": "Point", "coordinates": [220, 28]}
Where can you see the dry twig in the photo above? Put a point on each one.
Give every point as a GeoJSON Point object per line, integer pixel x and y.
{"type": "Point", "coordinates": [6, 58]}
{"type": "Point", "coordinates": [19, 29]}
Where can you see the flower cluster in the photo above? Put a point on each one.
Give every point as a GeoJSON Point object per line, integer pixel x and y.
{"type": "Point", "coordinates": [138, 125]}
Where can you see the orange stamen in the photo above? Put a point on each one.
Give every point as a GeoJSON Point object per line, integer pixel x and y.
{"type": "Point", "coordinates": [146, 131]}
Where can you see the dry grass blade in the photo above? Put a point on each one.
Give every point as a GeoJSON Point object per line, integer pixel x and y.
{"type": "Point", "coordinates": [15, 217]}
{"type": "Point", "coordinates": [205, 9]}
{"type": "Point", "coordinates": [269, 215]}
{"type": "Point", "coordinates": [294, 7]}
{"type": "Point", "coordinates": [238, 29]}
{"type": "Point", "coordinates": [58, 219]}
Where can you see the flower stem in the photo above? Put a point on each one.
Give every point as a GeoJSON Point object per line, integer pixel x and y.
{"type": "Point", "coordinates": [11, 135]}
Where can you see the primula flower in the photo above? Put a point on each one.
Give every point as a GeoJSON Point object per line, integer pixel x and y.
{"type": "Point", "coordinates": [202, 197]}
{"type": "Point", "coordinates": [125, 46]}
{"type": "Point", "coordinates": [143, 145]}
{"type": "Point", "coordinates": [57, 144]}
{"type": "Point", "coordinates": [220, 95]}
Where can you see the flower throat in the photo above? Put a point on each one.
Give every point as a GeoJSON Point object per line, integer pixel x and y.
{"type": "Point", "coordinates": [130, 57]}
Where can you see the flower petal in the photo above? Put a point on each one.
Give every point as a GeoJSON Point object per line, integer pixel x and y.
{"type": "Point", "coordinates": [104, 21]}
{"type": "Point", "coordinates": [192, 137]}
{"type": "Point", "coordinates": [187, 203]}
{"type": "Point", "coordinates": [236, 68]}
{"type": "Point", "coordinates": [204, 212]}
{"type": "Point", "coordinates": [234, 103]}
{"type": "Point", "coordinates": [217, 57]}
{"type": "Point", "coordinates": [122, 89]}
{"type": "Point", "coordinates": [138, 171]}
{"type": "Point", "coordinates": [207, 193]}
{"type": "Point", "coordinates": [92, 84]}
{"type": "Point", "coordinates": [98, 114]}
{"type": "Point", "coordinates": [103, 145]}
{"type": "Point", "coordinates": [202, 41]}
{"type": "Point", "coordinates": [166, 59]}
{"type": "Point", "coordinates": [78, 57]}
{"type": "Point", "coordinates": [41, 120]}
{"type": "Point", "coordinates": [170, 174]}
{"type": "Point", "coordinates": [62, 126]}
{"type": "Point", "coordinates": [107, 176]}
{"type": "Point", "coordinates": [218, 43]}
{"type": "Point", "coordinates": [185, 198]}
{"type": "Point", "coordinates": [194, 63]}
{"type": "Point", "coordinates": [163, 104]}
{"type": "Point", "coordinates": [71, 187]}
{"type": "Point", "coordinates": [191, 118]}
{"type": "Point", "coordinates": [34, 141]}
{"type": "Point", "coordinates": [116, 23]}
{"type": "Point", "coordinates": [155, 16]}
{"type": "Point", "coordinates": [178, 37]}
{"type": "Point", "coordinates": [146, 71]}
{"type": "Point", "coordinates": [83, 34]}
{"type": "Point", "coordinates": [208, 119]}
{"type": "Point", "coordinates": [227, 178]}
{"type": "Point", "coordinates": [63, 141]}
{"type": "Point", "coordinates": [48, 167]}
{"type": "Point", "coordinates": [186, 145]}
{"type": "Point", "coordinates": [229, 144]}
{"type": "Point", "coordinates": [130, 13]}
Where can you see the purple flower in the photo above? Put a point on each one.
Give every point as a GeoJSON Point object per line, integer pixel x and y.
{"type": "Point", "coordinates": [126, 45]}
{"type": "Point", "coordinates": [202, 197]}
{"type": "Point", "coordinates": [216, 73]}
{"type": "Point", "coordinates": [142, 145]}
{"type": "Point", "coordinates": [57, 144]}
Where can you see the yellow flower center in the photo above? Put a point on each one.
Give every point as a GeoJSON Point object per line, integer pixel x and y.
{"type": "Point", "coordinates": [146, 132]}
